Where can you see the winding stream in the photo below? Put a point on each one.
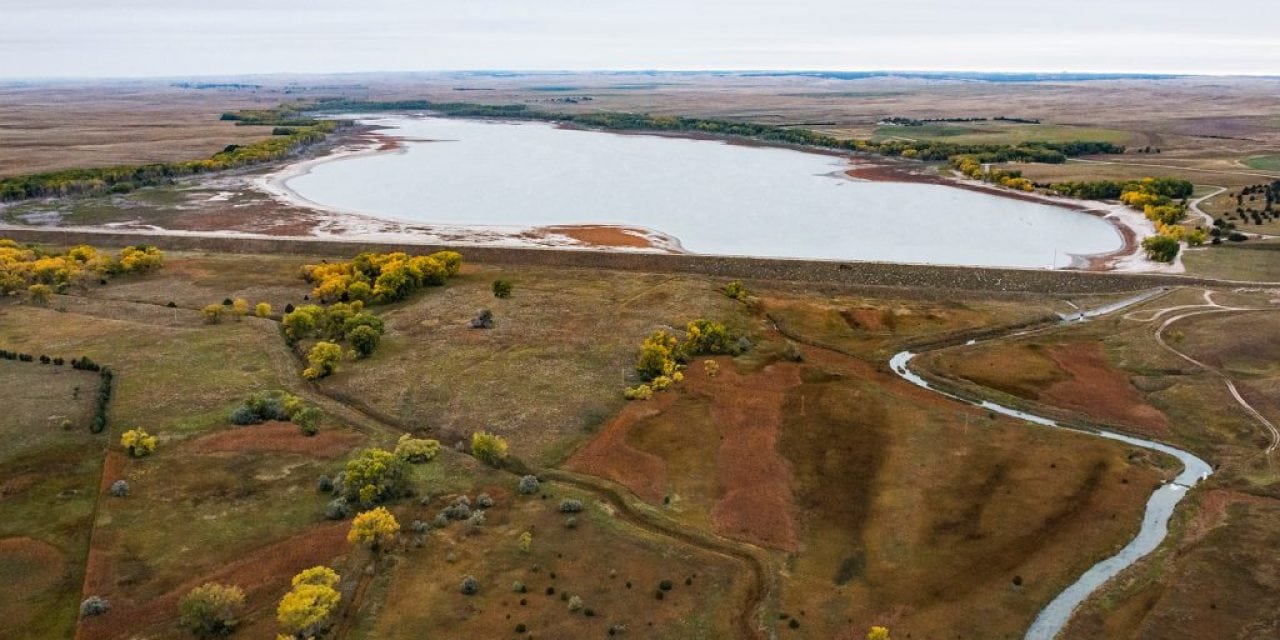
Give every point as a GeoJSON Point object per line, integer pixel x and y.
{"type": "Point", "coordinates": [1155, 522]}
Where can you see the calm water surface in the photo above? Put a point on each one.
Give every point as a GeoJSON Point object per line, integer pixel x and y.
{"type": "Point", "coordinates": [715, 198]}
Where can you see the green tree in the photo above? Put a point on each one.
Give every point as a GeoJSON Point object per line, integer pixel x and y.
{"type": "Point", "coordinates": [1161, 248]}
{"type": "Point", "coordinates": [373, 476]}
{"type": "Point", "coordinates": [323, 358]}
{"type": "Point", "coordinates": [364, 339]}
{"type": "Point", "coordinates": [211, 609]}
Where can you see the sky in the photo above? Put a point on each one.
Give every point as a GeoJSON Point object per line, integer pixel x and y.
{"type": "Point", "coordinates": [148, 38]}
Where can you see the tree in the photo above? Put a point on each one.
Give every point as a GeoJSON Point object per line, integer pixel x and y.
{"type": "Point", "coordinates": [878, 633]}
{"type": "Point", "coordinates": [305, 610]}
{"type": "Point", "coordinates": [139, 443]}
{"type": "Point", "coordinates": [262, 310]}
{"type": "Point", "coordinates": [488, 448]}
{"type": "Point", "coordinates": [502, 288]}
{"type": "Point", "coordinates": [323, 358]}
{"type": "Point", "coordinates": [240, 307]}
{"type": "Point", "coordinates": [375, 528]}
{"type": "Point", "coordinates": [373, 476]}
{"type": "Point", "coordinates": [364, 339]}
{"type": "Point", "coordinates": [211, 609]}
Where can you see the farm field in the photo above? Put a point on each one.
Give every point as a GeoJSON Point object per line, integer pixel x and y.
{"type": "Point", "coordinates": [801, 482]}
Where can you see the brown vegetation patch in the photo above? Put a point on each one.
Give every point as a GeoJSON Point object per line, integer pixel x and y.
{"type": "Point", "coordinates": [1096, 389]}
{"type": "Point", "coordinates": [262, 574]}
{"type": "Point", "coordinates": [608, 455]}
{"type": "Point", "coordinates": [28, 567]}
{"type": "Point", "coordinates": [278, 437]}
{"type": "Point", "coordinates": [601, 236]}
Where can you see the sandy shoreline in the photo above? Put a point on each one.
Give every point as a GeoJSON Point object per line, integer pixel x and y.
{"type": "Point", "coordinates": [1129, 225]}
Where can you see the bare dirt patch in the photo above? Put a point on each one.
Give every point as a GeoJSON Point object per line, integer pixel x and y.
{"type": "Point", "coordinates": [601, 236]}
{"type": "Point", "coordinates": [278, 437]}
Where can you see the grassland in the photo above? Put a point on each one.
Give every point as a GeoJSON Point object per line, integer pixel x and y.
{"type": "Point", "coordinates": [870, 500]}
{"type": "Point", "coordinates": [1264, 163]}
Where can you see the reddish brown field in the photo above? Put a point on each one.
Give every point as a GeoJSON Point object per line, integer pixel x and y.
{"type": "Point", "coordinates": [278, 437]}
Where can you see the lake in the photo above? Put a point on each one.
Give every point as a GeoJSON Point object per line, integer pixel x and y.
{"type": "Point", "coordinates": [713, 197]}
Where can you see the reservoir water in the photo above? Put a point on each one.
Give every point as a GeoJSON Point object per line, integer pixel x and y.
{"type": "Point", "coordinates": [713, 197]}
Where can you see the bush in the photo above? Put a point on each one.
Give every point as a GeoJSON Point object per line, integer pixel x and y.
{"type": "Point", "coordinates": [373, 476]}
{"type": "Point", "coordinates": [1161, 248]}
{"type": "Point", "coordinates": [305, 610]}
{"type": "Point", "coordinates": [244, 415]}
{"type": "Point", "coordinates": [470, 586]}
{"type": "Point", "coordinates": [575, 603]}
{"type": "Point", "coordinates": [526, 541]}
{"type": "Point", "coordinates": [417, 450]}
{"type": "Point", "coordinates": [570, 505]}
{"type": "Point", "coordinates": [518, 587]}
{"type": "Point", "coordinates": [138, 443]}
{"type": "Point", "coordinates": [736, 291]}
{"type": "Point", "coordinates": [211, 609]}
{"type": "Point", "coordinates": [262, 310]}
{"type": "Point", "coordinates": [502, 288]}
{"type": "Point", "coordinates": [665, 585]}
{"type": "Point", "coordinates": [483, 320]}
{"type": "Point", "coordinates": [440, 521]}
{"type": "Point", "coordinates": [323, 360]}
{"type": "Point", "coordinates": [528, 485]}
{"type": "Point", "coordinates": [324, 484]}
{"type": "Point", "coordinates": [488, 448]}
{"type": "Point", "coordinates": [213, 313]}
{"type": "Point", "coordinates": [337, 509]}
{"type": "Point", "coordinates": [374, 528]}
{"type": "Point", "coordinates": [476, 521]}
{"type": "Point", "coordinates": [364, 339]}
{"type": "Point", "coordinates": [94, 606]}
{"type": "Point", "coordinates": [120, 488]}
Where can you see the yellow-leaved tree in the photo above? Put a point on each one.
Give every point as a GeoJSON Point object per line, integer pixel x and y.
{"type": "Point", "coordinates": [323, 358]}
{"type": "Point", "coordinates": [138, 443]}
{"type": "Point", "coordinates": [488, 448]}
{"type": "Point", "coordinates": [305, 611]}
{"type": "Point", "coordinates": [374, 528]}
{"type": "Point", "coordinates": [878, 633]}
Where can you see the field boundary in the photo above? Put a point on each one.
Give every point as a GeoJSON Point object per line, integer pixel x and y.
{"type": "Point", "coordinates": [848, 273]}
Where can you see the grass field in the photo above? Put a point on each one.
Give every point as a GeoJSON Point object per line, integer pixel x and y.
{"type": "Point", "coordinates": [1002, 133]}
{"type": "Point", "coordinates": [868, 500]}
{"type": "Point", "coordinates": [1264, 163]}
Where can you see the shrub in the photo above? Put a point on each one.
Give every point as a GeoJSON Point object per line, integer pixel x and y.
{"type": "Point", "coordinates": [476, 521]}
{"type": "Point", "coordinates": [528, 485]}
{"type": "Point", "coordinates": [657, 355]}
{"type": "Point", "coordinates": [244, 415]}
{"type": "Point", "coordinates": [736, 291]}
{"type": "Point", "coordinates": [639, 392]}
{"type": "Point", "coordinates": [457, 511]}
{"type": "Point", "coordinates": [308, 420]}
{"type": "Point", "coordinates": [470, 586]}
{"type": "Point", "coordinates": [440, 521]}
{"type": "Point", "coordinates": [571, 522]}
{"type": "Point", "coordinates": [483, 320]}
{"type": "Point", "coordinates": [877, 633]}
{"type": "Point", "coordinates": [262, 310]}
{"type": "Point", "coordinates": [374, 528]}
{"type": "Point", "coordinates": [518, 587]}
{"type": "Point", "coordinates": [120, 488]}
{"type": "Point", "coordinates": [213, 313]}
{"type": "Point", "coordinates": [417, 450]}
{"type": "Point", "coordinates": [323, 360]}
{"type": "Point", "coordinates": [706, 337]}
{"type": "Point", "coordinates": [373, 476]}
{"type": "Point", "coordinates": [418, 526]}
{"type": "Point", "coordinates": [1161, 248]}
{"type": "Point", "coordinates": [665, 585]}
{"type": "Point", "coordinates": [324, 484]}
{"type": "Point", "coordinates": [138, 443]}
{"type": "Point", "coordinates": [502, 288]}
{"type": "Point", "coordinates": [575, 603]}
{"type": "Point", "coordinates": [94, 606]}
{"type": "Point", "coordinates": [570, 505]}
{"type": "Point", "coordinates": [364, 339]}
{"type": "Point", "coordinates": [484, 501]}
{"type": "Point", "coordinates": [526, 541]}
{"type": "Point", "coordinates": [337, 509]}
{"type": "Point", "coordinates": [211, 609]}
{"type": "Point", "coordinates": [240, 308]}
{"type": "Point", "coordinates": [306, 609]}
{"type": "Point", "coordinates": [40, 293]}
{"type": "Point", "coordinates": [488, 448]}
{"type": "Point", "coordinates": [792, 353]}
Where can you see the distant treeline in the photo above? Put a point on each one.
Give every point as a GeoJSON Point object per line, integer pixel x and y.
{"type": "Point", "coordinates": [920, 122]}
{"type": "Point", "coordinates": [290, 134]}
{"type": "Point", "coordinates": [1047, 152]}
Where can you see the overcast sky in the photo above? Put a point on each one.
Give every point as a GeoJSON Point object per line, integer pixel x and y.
{"type": "Point", "coordinates": [94, 38]}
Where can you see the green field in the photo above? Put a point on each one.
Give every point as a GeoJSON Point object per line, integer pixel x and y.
{"type": "Point", "coordinates": [1264, 163]}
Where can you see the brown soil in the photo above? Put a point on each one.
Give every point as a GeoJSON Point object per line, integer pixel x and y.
{"type": "Point", "coordinates": [609, 456]}
{"type": "Point", "coordinates": [600, 235]}
{"type": "Point", "coordinates": [27, 567]}
{"type": "Point", "coordinates": [278, 437]}
{"type": "Point", "coordinates": [262, 574]}
{"type": "Point", "coordinates": [1096, 389]}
